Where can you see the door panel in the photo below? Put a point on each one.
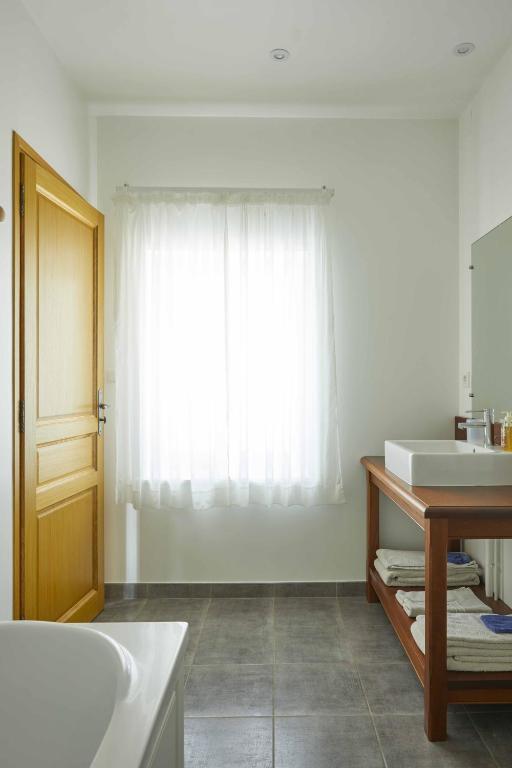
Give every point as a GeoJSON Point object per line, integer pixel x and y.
{"type": "Point", "coordinates": [61, 373]}
{"type": "Point", "coordinates": [66, 554]}
{"type": "Point", "coordinates": [68, 457]}
{"type": "Point", "coordinates": [66, 268]}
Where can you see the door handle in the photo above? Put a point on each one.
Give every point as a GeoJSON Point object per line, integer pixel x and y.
{"type": "Point", "coordinates": [102, 407]}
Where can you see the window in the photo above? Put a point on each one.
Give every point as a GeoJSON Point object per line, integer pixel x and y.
{"type": "Point", "coordinates": [225, 367]}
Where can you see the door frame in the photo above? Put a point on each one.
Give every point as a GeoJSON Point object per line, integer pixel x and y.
{"type": "Point", "coordinates": [19, 148]}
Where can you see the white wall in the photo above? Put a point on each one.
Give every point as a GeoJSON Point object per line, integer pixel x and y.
{"type": "Point", "coordinates": [394, 240]}
{"type": "Point", "coordinates": [485, 200]}
{"type": "Point", "coordinates": [38, 101]}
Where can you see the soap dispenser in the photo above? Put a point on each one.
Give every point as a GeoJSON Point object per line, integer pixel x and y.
{"type": "Point", "coordinates": [506, 431]}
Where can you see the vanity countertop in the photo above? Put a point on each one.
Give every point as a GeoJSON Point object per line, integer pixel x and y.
{"type": "Point", "coordinates": [442, 501]}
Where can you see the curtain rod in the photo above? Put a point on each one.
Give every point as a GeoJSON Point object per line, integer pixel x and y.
{"type": "Point", "coordinates": [129, 188]}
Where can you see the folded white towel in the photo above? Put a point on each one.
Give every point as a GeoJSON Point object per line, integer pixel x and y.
{"type": "Point", "coordinates": [493, 654]}
{"type": "Point", "coordinates": [469, 630]}
{"type": "Point", "coordinates": [403, 559]}
{"type": "Point", "coordinates": [462, 600]}
{"type": "Point", "coordinates": [405, 573]}
{"type": "Point", "coordinates": [417, 578]}
{"type": "Point", "coordinates": [471, 647]}
{"type": "Point", "coordinates": [464, 664]}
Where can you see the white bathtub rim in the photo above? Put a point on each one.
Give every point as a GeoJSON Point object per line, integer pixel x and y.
{"type": "Point", "coordinates": [125, 665]}
{"type": "Point", "coordinates": [126, 727]}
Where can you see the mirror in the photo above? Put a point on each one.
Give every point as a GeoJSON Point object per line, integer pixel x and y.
{"type": "Point", "coordinates": [491, 310]}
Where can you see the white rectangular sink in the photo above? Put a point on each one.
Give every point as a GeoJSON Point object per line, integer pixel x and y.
{"type": "Point", "coordinates": [447, 462]}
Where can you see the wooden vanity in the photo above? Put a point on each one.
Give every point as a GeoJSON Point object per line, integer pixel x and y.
{"type": "Point", "coordinates": [444, 514]}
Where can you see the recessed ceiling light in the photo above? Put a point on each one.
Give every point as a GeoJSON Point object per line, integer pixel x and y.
{"type": "Point", "coordinates": [280, 54]}
{"type": "Point", "coordinates": [464, 49]}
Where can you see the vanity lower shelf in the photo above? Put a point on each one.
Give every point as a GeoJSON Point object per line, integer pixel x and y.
{"type": "Point", "coordinates": [457, 681]}
{"type": "Point", "coordinates": [445, 515]}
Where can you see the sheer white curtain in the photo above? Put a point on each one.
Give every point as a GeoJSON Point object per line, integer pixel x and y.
{"type": "Point", "coordinates": [225, 368]}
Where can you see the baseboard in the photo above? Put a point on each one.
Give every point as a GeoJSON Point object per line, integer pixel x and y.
{"type": "Point", "coordinates": [123, 591]}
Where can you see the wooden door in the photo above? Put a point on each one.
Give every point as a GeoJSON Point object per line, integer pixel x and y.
{"type": "Point", "coordinates": [61, 373]}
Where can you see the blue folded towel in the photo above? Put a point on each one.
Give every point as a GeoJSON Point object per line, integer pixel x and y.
{"type": "Point", "coordinates": [497, 623]}
{"type": "Point", "coordinates": [458, 558]}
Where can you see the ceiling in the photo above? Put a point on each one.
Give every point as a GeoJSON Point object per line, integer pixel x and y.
{"type": "Point", "coordinates": [373, 55]}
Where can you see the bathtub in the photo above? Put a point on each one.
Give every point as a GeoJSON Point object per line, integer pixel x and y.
{"type": "Point", "coordinates": [91, 696]}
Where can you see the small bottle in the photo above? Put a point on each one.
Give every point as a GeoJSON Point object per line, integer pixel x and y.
{"type": "Point", "coordinates": [506, 431]}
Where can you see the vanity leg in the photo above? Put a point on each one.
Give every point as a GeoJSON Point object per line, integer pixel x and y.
{"type": "Point", "coordinates": [372, 533]}
{"type": "Point", "coordinates": [436, 683]}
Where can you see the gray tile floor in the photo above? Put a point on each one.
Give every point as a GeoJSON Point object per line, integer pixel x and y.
{"type": "Point", "coordinates": [310, 682]}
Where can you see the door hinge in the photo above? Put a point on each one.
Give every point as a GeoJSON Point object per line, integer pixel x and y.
{"type": "Point", "coordinates": [21, 416]}
{"type": "Point", "coordinates": [22, 199]}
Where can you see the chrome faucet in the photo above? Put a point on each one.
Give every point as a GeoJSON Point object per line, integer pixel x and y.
{"type": "Point", "coordinates": [484, 423]}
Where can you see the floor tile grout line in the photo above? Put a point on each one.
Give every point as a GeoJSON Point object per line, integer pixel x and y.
{"type": "Point", "coordinates": [371, 717]}
{"type": "Point", "coordinates": [235, 664]}
{"type": "Point", "coordinates": [230, 717]}
{"type": "Point", "coordinates": [162, 598]}
{"type": "Point", "coordinates": [356, 668]}
{"type": "Point", "coordinates": [273, 681]}
{"type": "Point", "coordinates": [299, 716]}
{"type": "Point", "coordinates": [339, 613]}
{"type": "Point", "coordinates": [142, 606]}
{"type": "Point", "coordinates": [207, 608]}
{"type": "Point", "coordinates": [340, 663]}
{"type": "Point", "coordinates": [487, 747]}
